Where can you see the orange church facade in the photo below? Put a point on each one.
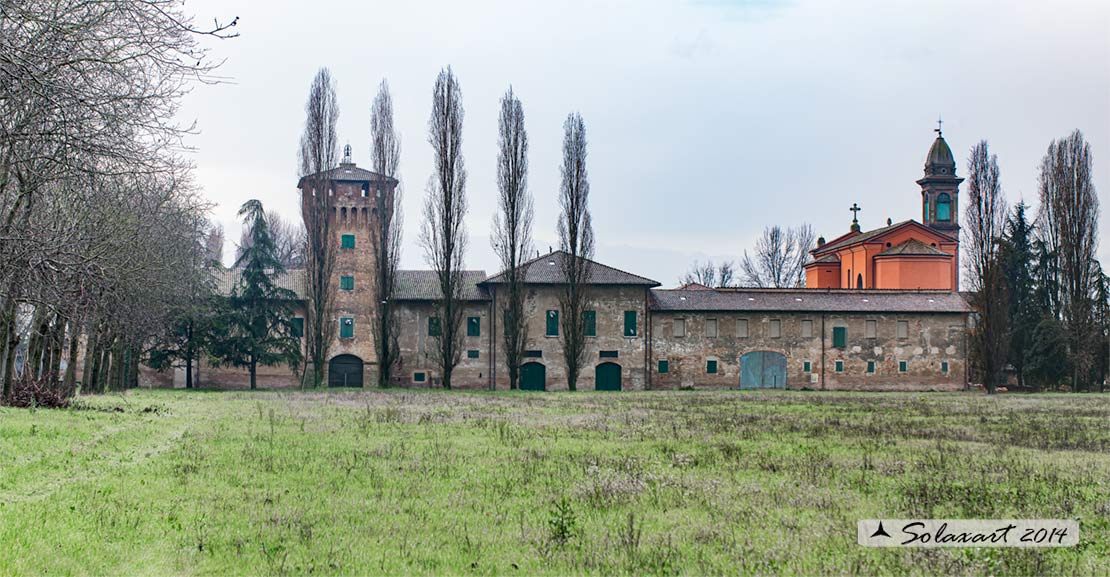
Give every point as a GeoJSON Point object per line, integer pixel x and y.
{"type": "Point", "coordinates": [904, 255]}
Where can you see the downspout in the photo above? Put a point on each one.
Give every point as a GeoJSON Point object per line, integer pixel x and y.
{"type": "Point", "coordinates": [492, 340]}
{"type": "Point", "coordinates": [647, 338]}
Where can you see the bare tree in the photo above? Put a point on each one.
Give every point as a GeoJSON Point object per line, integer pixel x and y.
{"type": "Point", "coordinates": [780, 258]}
{"type": "Point", "coordinates": [984, 225]}
{"type": "Point", "coordinates": [512, 227]}
{"type": "Point", "coordinates": [443, 232]}
{"type": "Point", "coordinates": [385, 239]}
{"type": "Point", "coordinates": [576, 239]}
{"type": "Point", "coordinates": [711, 275]}
{"type": "Point", "coordinates": [1068, 230]}
{"type": "Point", "coordinates": [214, 245]}
{"type": "Point", "coordinates": [318, 155]}
{"type": "Point", "coordinates": [288, 236]}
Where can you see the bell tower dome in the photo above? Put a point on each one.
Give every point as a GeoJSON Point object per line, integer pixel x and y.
{"type": "Point", "coordinates": [940, 188]}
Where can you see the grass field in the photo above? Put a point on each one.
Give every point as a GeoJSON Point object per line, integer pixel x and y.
{"type": "Point", "coordinates": [406, 482]}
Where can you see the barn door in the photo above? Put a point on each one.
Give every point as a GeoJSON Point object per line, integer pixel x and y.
{"type": "Point", "coordinates": [607, 377]}
{"type": "Point", "coordinates": [763, 370]}
{"type": "Point", "coordinates": [533, 377]}
{"type": "Point", "coordinates": [345, 371]}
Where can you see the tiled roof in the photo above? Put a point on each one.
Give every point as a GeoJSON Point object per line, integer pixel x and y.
{"type": "Point", "coordinates": [913, 247]}
{"type": "Point", "coordinates": [547, 269]}
{"type": "Point", "coordinates": [810, 300]}
{"type": "Point", "coordinates": [227, 279]}
{"type": "Point", "coordinates": [352, 173]}
{"type": "Point", "coordinates": [827, 259]}
{"type": "Point", "coordinates": [423, 285]}
{"type": "Point", "coordinates": [867, 236]}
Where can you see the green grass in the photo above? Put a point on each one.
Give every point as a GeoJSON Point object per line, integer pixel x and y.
{"type": "Point", "coordinates": [408, 482]}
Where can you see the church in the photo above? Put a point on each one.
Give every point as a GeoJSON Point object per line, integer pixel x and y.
{"type": "Point", "coordinates": [880, 310]}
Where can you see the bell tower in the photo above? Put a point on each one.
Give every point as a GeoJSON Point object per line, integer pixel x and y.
{"type": "Point", "coordinates": [940, 188]}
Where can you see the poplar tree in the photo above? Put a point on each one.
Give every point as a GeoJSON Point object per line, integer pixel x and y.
{"type": "Point", "coordinates": [385, 236]}
{"type": "Point", "coordinates": [576, 240]}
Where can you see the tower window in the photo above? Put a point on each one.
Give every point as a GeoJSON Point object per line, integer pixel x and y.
{"type": "Point", "coordinates": [944, 207]}
{"type": "Point", "coordinates": [347, 241]}
{"type": "Point", "coordinates": [347, 283]}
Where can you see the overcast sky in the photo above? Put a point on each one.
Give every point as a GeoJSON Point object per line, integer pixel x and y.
{"type": "Point", "coordinates": [707, 120]}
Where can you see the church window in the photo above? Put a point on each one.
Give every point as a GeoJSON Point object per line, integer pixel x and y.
{"type": "Point", "coordinates": [711, 328]}
{"type": "Point", "coordinates": [680, 327]}
{"type": "Point", "coordinates": [859, 281]}
{"type": "Point", "coordinates": [347, 241]}
{"type": "Point", "coordinates": [925, 203]}
{"type": "Point", "coordinates": [347, 283]}
{"type": "Point", "coordinates": [944, 207]}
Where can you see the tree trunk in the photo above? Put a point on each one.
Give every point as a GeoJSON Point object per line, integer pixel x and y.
{"type": "Point", "coordinates": [11, 344]}
{"type": "Point", "coordinates": [254, 371]}
{"type": "Point", "coordinates": [35, 343]}
{"type": "Point", "coordinates": [189, 357]}
{"type": "Point", "coordinates": [92, 346]}
{"type": "Point", "coordinates": [71, 364]}
{"type": "Point", "coordinates": [133, 368]}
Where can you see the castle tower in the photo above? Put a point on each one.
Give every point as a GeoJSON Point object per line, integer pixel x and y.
{"type": "Point", "coordinates": [354, 194]}
{"type": "Point", "coordinates": [940, 194]}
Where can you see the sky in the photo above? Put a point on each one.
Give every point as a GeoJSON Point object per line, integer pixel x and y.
{"type": "Point", "coordinates": [707, 120]}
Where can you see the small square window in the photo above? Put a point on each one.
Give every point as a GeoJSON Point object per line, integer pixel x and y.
{"type": "Point", "coordinates": [840, 337]}
{"type": "Point", "coordinates": [944, 367]}
{"type": "Point", "coordinates": [903, 329]}
{"type": "Point", "coordinates": [434, 328]}
{"type": "Point", "coordinates": [419, 377]}
{"type": "Point", "coordinates": [347, 241]}
{"type": "Point", "coordinates": [680, 327]}
{"type": "Point", "coordinates": [807, 328]}
{"type": "Point", "coordinates": [346, 328]}
{"type": "Point", "coordinates": [776, 328]}
{"type": "Point", "coordinates": [902, 366]}
{"type": "Point", "coordinates": [839, 366]}
{"type": "Point", "coordinates": [589, 323]}
{"type": "Point", "coordinates": [629, 323]}
{"type": "Point", "coordinates": [871, 330]}
{"type": "Point", "coordinates": [473, 326]}
{"type": "Point", "coordinates": [552, 326]}
{"type": "Point", "coordinates": [472, 354]}
{"type": "Point", "coordinates": [608, 354]}
{"type": "Point", "coordinates": [807, 367]}
{"type": "Point", "coordinates": [711, 366]}
{"type": "Point", "coordinates": [664, 367]}
{"type": "Point", "coordinates": [347, 283]}
{"type": "Point", "coordinates": [711, 328]}
{"type": "Point", "coordinates": [871, 367]}
{"type": "Point", "coordinates": [742, 328]}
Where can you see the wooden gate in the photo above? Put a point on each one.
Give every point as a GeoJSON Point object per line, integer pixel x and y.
{"type": "Point", "coordinates": [533, 377]}
{"type": "Point", "coordinates": [345, 371]}
{"type": "Point", "coordinates": [763, 370]}
{"type": "Point", "coordinates": [607, 377]}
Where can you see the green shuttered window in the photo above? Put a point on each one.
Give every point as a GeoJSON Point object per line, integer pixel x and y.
{"type": "Point", "coordinates": [347, 283]}
{"type": "Point", "coordinates": [552, 324]}
{"type": "Point", "coordinates": [473, 327]}
{"type": "Point", "coordinates": [472, 354]}
{"type": "Point", "coordinates": [711, 367]}
{"type": "Point", "coordinates": [664, 367]}
{"type": "Point", "coordinates": [629, 323]}
{"type": "Point", "coordinates": [589, 323]}
{"type": "Point", "coordinates": [346, 328]}
{"type": "Point", "coordinates": [297, 330]}
{"type": "Point", "coordinates": [806, 367]}
{"type": "Point", "coordinates": [434, 329]}
{"type": "Point", "coordinates": [871, 367]}
{"type": "Point", "coordinates": [839, 366]}
{"type": "Point", "coordinates": [840, 337]}
{"type": "Point", "coordinates": [347, 241]}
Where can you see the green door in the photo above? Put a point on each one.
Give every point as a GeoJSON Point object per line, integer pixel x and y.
{"type": "Point", "coordinates": [533, 377]}
{"type": "Point", "coordinates": [607, 377]}
{"type": "Point", "coordinates": [763, 370]}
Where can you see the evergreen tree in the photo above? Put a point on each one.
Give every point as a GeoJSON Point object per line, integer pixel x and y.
{"type": "Point", "coordinates": [1018, 261]}
{"type": "Point", "coordinates": [257, 328]}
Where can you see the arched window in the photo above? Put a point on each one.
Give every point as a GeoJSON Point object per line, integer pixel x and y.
{"type": "Point", "coordinates": [944, 207]}
{"type": "Point", "coordinates": [925, 208]}
{"type": "Point", "coordinates": [859, 281]}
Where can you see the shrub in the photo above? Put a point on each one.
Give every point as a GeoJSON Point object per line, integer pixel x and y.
{"type": "Point", "coordinates": [44, 392]}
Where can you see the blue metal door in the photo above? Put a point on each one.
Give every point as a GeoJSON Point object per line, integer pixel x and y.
{"type": "Point", "coordinates": [763, 370]}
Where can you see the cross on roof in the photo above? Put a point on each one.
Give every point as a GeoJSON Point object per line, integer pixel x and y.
{"type": "Point", "coordinates": [940, 125]}
{"type": "Point", "coordinates": [855, 212]}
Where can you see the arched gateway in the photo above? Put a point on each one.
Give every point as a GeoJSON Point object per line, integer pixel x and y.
{"type": "Point", "coordinates": [345, 371]}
